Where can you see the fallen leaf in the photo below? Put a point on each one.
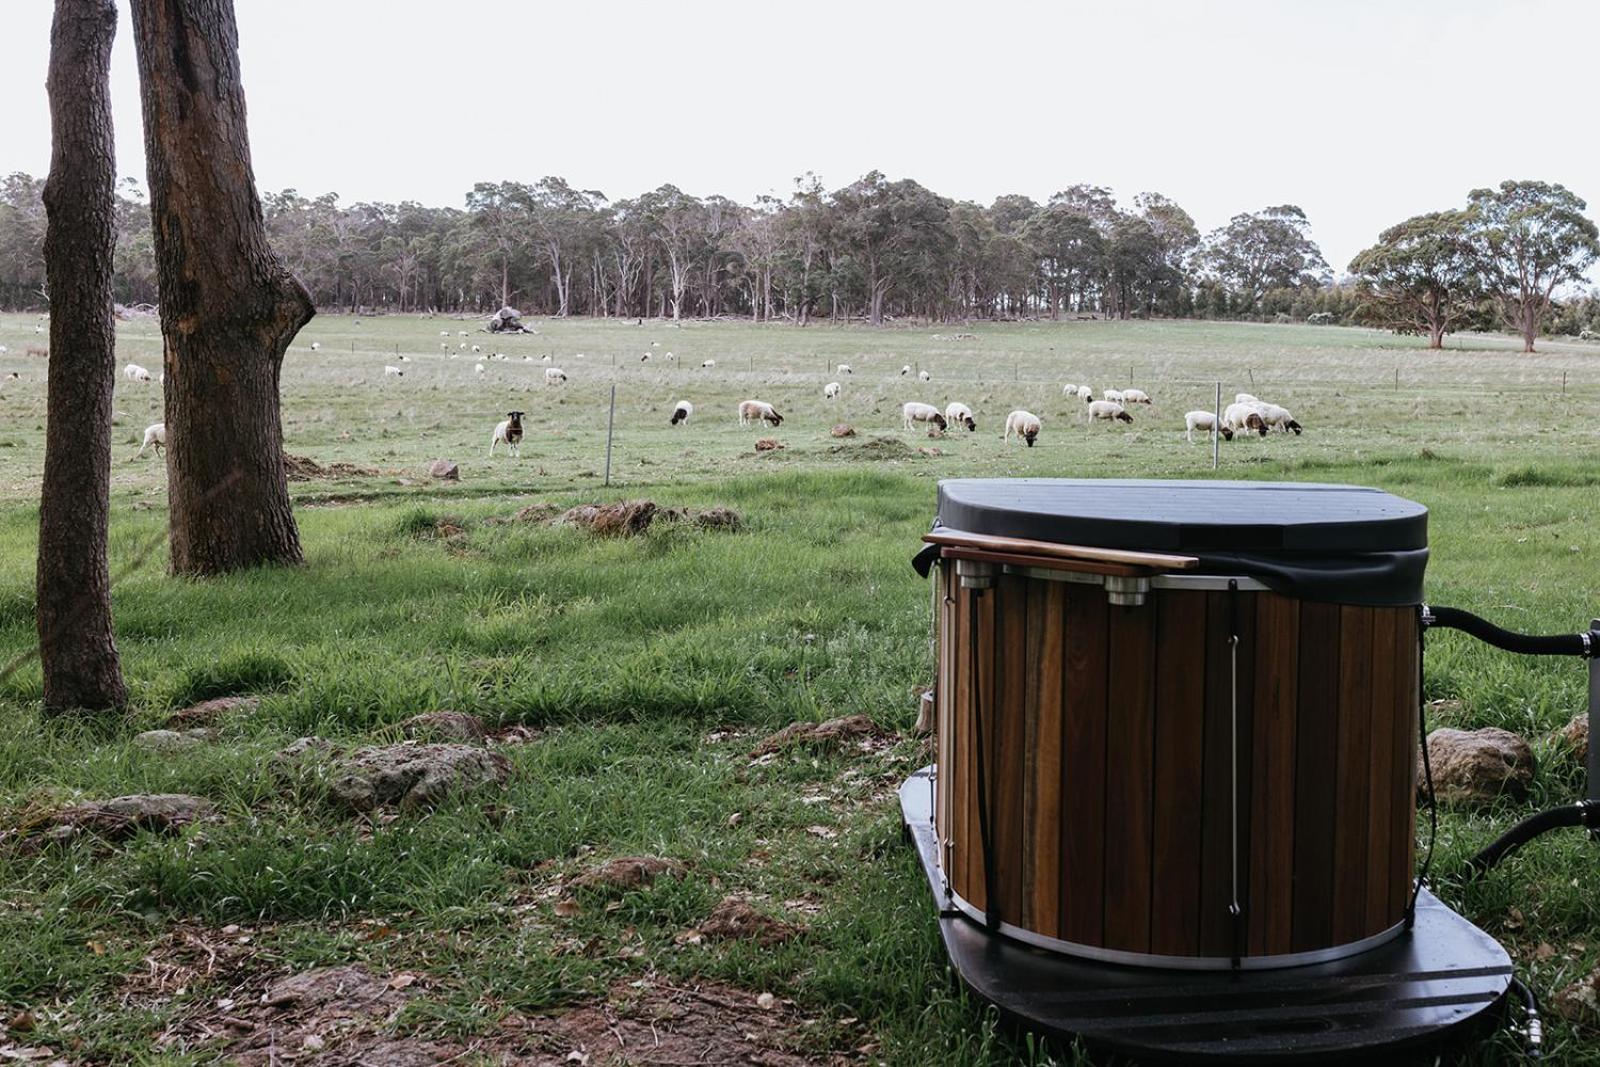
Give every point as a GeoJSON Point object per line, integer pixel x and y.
{"type": "Point", "coordinates": [568, 908]}
{"type": "Point", "coordinates": [402, 980]}
{"type": "Point", "coordinates": [766, 1002]}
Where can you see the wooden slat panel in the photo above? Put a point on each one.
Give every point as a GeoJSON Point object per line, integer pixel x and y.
{"type": "Point", "coordinates": [1316, 731]}
{"type": "Point", "coordinates": [1083, 766]}
{"type": "Point", "coordinates": [1045, 844]}
{"type": "Point", "coordinates": [1224, 611]}
{"type": "Point", "coordinates": [1007, 715]}
{"type": "Point", "coordinates": [1408, 698]}
{"type": "Point", "coordinates": [984, 783]}
{"type": "Point", "coordinates": [1380, 765]}
{"type": "Point", "coordinates": [944, 696]}
{"type": "Point", "coordinates": [966, 757]}
{"type": "Point", "coordinates": [1354, 749]}
{"type": "Point", "coordinates": [1130, 761]}
{"type": "Point", "coordinates": [1179, 721]}
{"type": "Point", "coordinates": [1273, 770]}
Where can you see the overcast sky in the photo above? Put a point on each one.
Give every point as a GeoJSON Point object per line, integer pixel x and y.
{"type": "Point", "coordinates": [1363, 112]}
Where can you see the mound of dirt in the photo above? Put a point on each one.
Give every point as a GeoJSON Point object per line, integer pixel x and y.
{"type": "Point", "coordinates": [735, 920]}
{"type": "Point", "coordinates": [627, 872]}
{"type": "Point", "coordinates": [844, 429]}
{"type": "Point", "coordinates": [209, 711]}
{"type": "Point", "coordinates": [877, 448]}
{"type": "Point", "coordinates": [631, 518]}
{"type": "Point", "coordinates": [834, 732]}
{"type": "Point", "coordinates": [305, 469]}
{"type": "Point", "coordinates": [447, 725]}
{"type": "Point", "coordinates": [769, 444]}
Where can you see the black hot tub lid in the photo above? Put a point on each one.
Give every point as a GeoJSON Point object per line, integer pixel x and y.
{"type": "Point", "coordinates": [1343, 543]}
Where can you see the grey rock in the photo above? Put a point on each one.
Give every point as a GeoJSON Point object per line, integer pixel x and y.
{"type": "Point", "coordinates": [412, 775]}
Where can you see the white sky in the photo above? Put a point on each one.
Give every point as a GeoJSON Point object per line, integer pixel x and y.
{"type": "Point", "coordinates": [1363, 112]}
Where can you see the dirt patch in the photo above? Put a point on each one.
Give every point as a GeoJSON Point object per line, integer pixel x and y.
{"type": "Point", "coordinates": [735, 920]}
{"type": "Point", "coordinates": [305, 469]}
{"type": "Point", "coordinates": [769, 444]}
{"type": "Point", "coordinates": [537, 513]}
{"type": "Point", "coordinates": [209, 711]}
{"type": "Point", "coordinates": [658, 1024]}
{"type": "Point", "coordinates": [833, 733]}
{"type": "Point", "coordinates": [627, 872]}
{"type": "Point", "coordinates": [631, 518]}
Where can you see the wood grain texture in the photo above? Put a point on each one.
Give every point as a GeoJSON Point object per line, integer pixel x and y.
{"type": "Point", "coordinates": [1130, 761]}
{"type": "Point", "coordinates": [1083, 767]}
{"type": "Point", "coordinates": [1176, 782]}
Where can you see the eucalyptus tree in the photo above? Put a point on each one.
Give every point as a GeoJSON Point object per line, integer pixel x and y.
{"type": "Point", "coordinates": [1262, 250]}
{"type": "Point", "coordinates": [1421, 276]}
{"type": "Point", "coordinates": [1070, 249]}
{"type": "Point", "coordinates": [1532, 239]}
{"type": "Point", "coordinates": [898, 234]}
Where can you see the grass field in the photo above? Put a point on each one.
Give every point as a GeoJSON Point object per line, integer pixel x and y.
{"type": "Point", "coordinates": [647, 669]}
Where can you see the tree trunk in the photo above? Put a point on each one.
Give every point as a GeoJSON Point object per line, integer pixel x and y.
{"type": "Point", "coordinates": [77, 649]}
{"type": "Point", "coordinates": [229, 307]}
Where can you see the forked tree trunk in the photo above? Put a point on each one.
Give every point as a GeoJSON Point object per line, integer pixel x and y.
{"type": "Point", "coordinates": [229, 307]}
{"type": "Point", "coordinates": [76, 647]}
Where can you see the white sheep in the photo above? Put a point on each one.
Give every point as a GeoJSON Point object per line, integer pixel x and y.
{"type": "Point", "coordinates": [671, 357]}
{"type": "Point", "coordinates": [509, 432]}
{"type": "Point", "coordinates": [1245, 398]}
{"type": "Point", "coordinates": [1113, 395]}
{"type": "Point", "coordinates": [915, 411]}
{"type": "Point", "coordinates": [405, 359]}
{"type": "Point", "coordinates": [924, 376]}
{"type": "Point", "coordinates": [1204, 420]}
{"type": "Point", "coordinates": [905, 370]}
{"type": "Point", "coordinates": [645, 358]}
{"type": "Point", "coordinates": [393, 372]}
{"type": "Point", "coordinates": [316, 346]}
{"type": "Point", "coordinates": [444, 333]}
{"type": "Point", "coordinates": [1108, 411]}
{"type": "Point", "coordinates": [830, 390]}
{"type": "Point", "coordinates": [554, 376]}
{"type": "Point", "coordinates": [681, 412]}
{"type": "Point", "coordinates": [445, 348]}
{"type": "Point", "coordinates": [1240, 416]}
{"type": "Point", "coordinates": [135, 373]}
{"type": "Point", "coordinates": [1135, 396]}
{"type": "Point", "coordinates": [544, 359]}
{"type": "Point", "coordinates": [844, 368]}
{"type": "Point", "coordinates": [707, 364]}
{"type": "Point", "coordinates": [155, 435]}
{"type": "Point", "coordinates": [1025, 424]}
{"type": "Point", "coordinates": [477, 368]}
{"type": "Point", "coordinates": [1085, 393]}
{"type": "Point", "coordinates": [1273, 415]}
{"type": "Point", "coordinates": [460, 333]}
{"type": "Point", "coordinates": [758, 411]}
{"type": "Point", "coordinates": [958, 414]}
{"type": "Point", "coordinates": [475, 348]}
{"type": "Point", "coordinates": [1069, 390]}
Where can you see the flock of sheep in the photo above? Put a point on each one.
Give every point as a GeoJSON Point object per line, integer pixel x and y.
{"type": "Point", "coordinates": [1246, 414]}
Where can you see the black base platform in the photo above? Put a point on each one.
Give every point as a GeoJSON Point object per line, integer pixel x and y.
{"type": "Point", "coordinates": [1425, 988]}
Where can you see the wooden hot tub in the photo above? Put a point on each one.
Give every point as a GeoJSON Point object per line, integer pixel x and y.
{"type": "Point", "coordinates": [1176, 721]}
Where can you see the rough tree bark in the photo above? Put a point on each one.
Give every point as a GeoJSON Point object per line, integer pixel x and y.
{"type": "Point", "coordinates": [76, 647]}
{"type": "Point", "coordinates": [229, 307]}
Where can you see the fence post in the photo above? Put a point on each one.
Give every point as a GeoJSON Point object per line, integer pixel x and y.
{"type": "Point", "coordinates": [1216, 430]}
{"type": "Point", "coordinates": [611, 416]}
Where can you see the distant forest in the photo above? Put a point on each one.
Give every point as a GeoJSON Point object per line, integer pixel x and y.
{"type": "Point", "coordinates": [875, 250]}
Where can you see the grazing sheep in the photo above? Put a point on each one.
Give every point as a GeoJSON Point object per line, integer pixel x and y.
{"type": "Point", "coordinates": [1135, 396]}
{"type": "Point", "coordinates": [1204, 420]}
{"type": "Point", "coordinates": [155, 434]}
{"type": "Point", "coordinates": [1108, 411]}
{"type": "Point", "coordinates": [830, 390]}
{"type": "Point", "coordinates": [444, 333]}
{"type": "Point", "coordinates": [461, 333]}
{"type": "Point", "coordinates": [554, 376]}
{"type": "Point", "coordinates": [1069, 390]}
{"type": "Point", "coordinates": [844, 368]}
{"type": "Point", "coordinates": [1273, 415]}
{"type": "Point", "coordinates": [135, 373]}
{"type": "Point", "coordinates": [758, 411]}
{"type": "Point", "coordinates": [316, 346]}
{"type": "Point", "coordinates": [671, 357]}
{"type": "Point", "coordinates": [915, 411]}
{"type": "Point", "coordinates": [405, 359]}
{"type": "Point", "coordinates": [681, 412]}
{"type": "Point", "coordinates": [475, 348]}
{"type": "Point", "coordinates": [4, 350]}
{"type": "Point", "coordinates": [393, 372]}
{"type": "Point", "coordinates": [1239, 417]}
{"type": "Point", "coordinates": [1085, 393]}
{"type": "Point", "coordinates": [544, 359]}
{"type": "Point", "coordinates": [1113, 395]}
{"type": "Point", "coordinates": [905, 370]}
{"type": "Point", "coordinates": [645, 358]}
{"type": "Point", "coordinates": [1025, 424]}
{"type": "Point", "coordinates": [477, 368]}
{"type": "Point", "coordinates": [509, 431]}
{"type": "Point", "coordinates": [959, 414]}
{"type": "Point", "coordinates": [924, 376]}
{"type": "Point", "coordinates": [707, 364]}
{"type": "Point", "coordinates": [462, 347]}
{"type": "Point", "coordinates": [445, 348]}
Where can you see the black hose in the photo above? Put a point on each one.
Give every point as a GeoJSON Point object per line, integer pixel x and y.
{"type": "Point", "coordinates": [1583, 813]}
{"type": "Point", "coordinates": [1533, 1029]}
{"type": "Point", "coordinates": [1585, 644]}
{"type": "Point", "coordinates": [1433, 802]}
